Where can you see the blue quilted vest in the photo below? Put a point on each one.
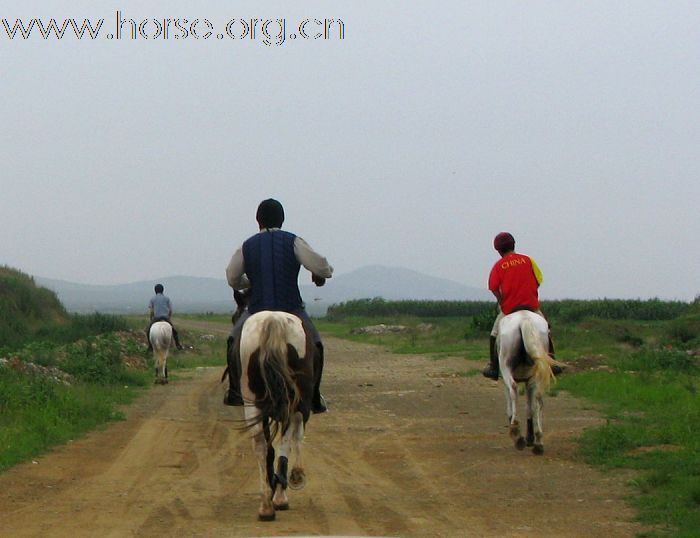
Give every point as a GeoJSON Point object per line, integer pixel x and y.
{"type": "Point", "coordinates": [273, 271]}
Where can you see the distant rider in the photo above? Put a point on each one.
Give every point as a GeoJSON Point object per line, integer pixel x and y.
{"type": "Point", "coordinates": [514, 280]}
{"type": "Point", "coordinates": [268, 263]}
{"type": "Point", "coordinates": [160, 309]}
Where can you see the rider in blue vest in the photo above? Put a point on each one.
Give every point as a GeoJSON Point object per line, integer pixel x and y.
{"type": "Point", "coordinates": [267, 265]}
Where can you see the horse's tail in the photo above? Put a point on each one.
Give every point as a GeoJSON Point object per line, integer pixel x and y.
{"type": "Point", "coordinates": [538, 352]}
{"type": "Point", "coordinates": [281, 393]}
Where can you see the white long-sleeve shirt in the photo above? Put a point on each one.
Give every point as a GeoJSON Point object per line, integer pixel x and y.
{"type": "Point", "coordinates": [306, 256]}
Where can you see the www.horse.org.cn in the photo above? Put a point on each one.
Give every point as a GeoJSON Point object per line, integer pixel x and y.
{"type": "Point", "coordinates": [268, 31]}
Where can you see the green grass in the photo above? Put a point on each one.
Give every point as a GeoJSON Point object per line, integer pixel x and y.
{"type": "Point", "coordinates": [449, 336]}
{"type": "Point", "coordinates": [36, 413]}
{"type": "Point", "coordinates": [653, 427]}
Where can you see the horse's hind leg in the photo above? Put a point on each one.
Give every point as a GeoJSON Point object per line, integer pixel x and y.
{"type": "Point", "coordinates": [530, 437]}
{"type": "Point", "coordinates": [280, 500]}
{"type": "Point", "coordinates": [537, 405]}
{"type": "Point", "coordinates": [297, 478]}
{"type": "Point", "coordinates": [158, 366]}
{"type": "Point", "coordinates": [266, 511]}
{"type": "Point", "coordinates": [511, 406]}
{"type": "Point", "coordinates": [534, 419]}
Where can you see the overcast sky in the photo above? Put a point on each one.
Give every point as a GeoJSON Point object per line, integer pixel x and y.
{"type": "Point", "coordinates": [411, 142]}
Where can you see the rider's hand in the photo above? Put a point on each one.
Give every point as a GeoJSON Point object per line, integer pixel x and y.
{"type": "Point", "coordinates": [318, 280]}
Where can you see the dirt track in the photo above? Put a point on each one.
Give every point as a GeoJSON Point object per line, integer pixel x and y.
{"type": "Point", "coordinates": [408, 449]}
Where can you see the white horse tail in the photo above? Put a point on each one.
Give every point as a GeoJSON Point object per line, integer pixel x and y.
{"type": "Point", "coordinates": [281, 393]}
{"type": "Point", "coordinates": [538, 352]}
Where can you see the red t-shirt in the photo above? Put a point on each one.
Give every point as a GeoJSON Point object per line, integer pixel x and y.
{"type": "Point", "coordinates": [516, 277]}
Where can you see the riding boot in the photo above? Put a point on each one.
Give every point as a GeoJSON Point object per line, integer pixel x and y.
{"type": "Point", "coordinates": [491, 371]}
{"type": "Point", "coordinates": [148, 339]}
{"type": "Point", "coordinates": [556, 369]}
{"type": "Point", "coordinates": [318, 402]}
{"type": "Point", "coordinates": [233, 394]}
{"type": "Point", "coordinates": [177, 339]}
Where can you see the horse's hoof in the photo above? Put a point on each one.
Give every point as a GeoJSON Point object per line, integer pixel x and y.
{"type": "Point", "coordinates": [297, 478]}
{"type": "Point", "coordinates": [530, 441]}
{"type": "Point", "coordinates": [538, 450]}
{"type": "Point", "coordinates": [284, 506]}
{"type": "Point", "coordinates": [520, 443]}
{"type": "Point", "coordinates": [266, 517]}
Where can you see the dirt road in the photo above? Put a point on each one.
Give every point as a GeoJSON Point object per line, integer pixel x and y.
{"type": "Point", "coordinates": [408, 449]}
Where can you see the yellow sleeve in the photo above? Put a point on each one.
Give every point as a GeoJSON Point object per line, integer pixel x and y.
{"type": "Point", "coordinates": [537, 271]}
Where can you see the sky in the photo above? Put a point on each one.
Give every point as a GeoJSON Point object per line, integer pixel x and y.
{"type": "Point", "coordinates": [412, 141]}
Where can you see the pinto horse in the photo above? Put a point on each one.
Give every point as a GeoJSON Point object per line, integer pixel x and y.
{"type": "Point", "coordinates": [277, 358]}
{"type": "Point", "coordinates": [160, 336]}
{"type": "Point", "coordinates": [523, 344]}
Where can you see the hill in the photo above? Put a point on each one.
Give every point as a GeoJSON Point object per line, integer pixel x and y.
{"type": "Point", "coordinates": [390, 283]}
{"type": "Point", "coordinates": [197, 294]}
{"type": "Point", "coordinates": [24, 306]}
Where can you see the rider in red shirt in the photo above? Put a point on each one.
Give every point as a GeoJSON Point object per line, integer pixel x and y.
{"type": "Point", "coordinates": [514, 280]}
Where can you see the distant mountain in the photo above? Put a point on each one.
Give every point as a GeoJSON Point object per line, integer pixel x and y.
{"type": "Point", "coordinates": [196, 294]}
{"type": "Point", "coordinates": [188, 294]}
{"type": "Point", "coordinates": [391, 283]}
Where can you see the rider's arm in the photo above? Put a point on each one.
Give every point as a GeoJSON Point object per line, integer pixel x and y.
{"type": "Point", "coordinates": [495, 283]}
{"type": "Point", "coordinates": [536, 270]}
{"type": "Point", "coordinates": [235, 272]}
{"type": "Point", "coordinates": [313, 261]}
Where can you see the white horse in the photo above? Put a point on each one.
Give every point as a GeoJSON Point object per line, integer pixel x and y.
{"type": "Point", "coordinates": [277, 358]}
{"type": "Point", "coordinates": [523, 355]}
{"type": "Point", "coordinates": [160, 336]}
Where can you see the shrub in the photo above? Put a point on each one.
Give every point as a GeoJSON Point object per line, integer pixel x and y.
{"type": "Point", "coordinates": [685, 330]}
{"type": "Point", "coordinates": [423, 309]}
{"type": "Point", "coordinates": [95, 361]}
{"type": "Point", "coordinates": [645, 310]}
{"type": "Point", "coordinates": [662, 360]}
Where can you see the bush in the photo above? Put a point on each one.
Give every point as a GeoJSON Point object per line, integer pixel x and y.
{"type": "Point", "coordinates": [658, 360]}
{"type": "Point", "coordinates": [685, 330]}
{"type": "Point", "coordinates": [644, 310]}
{"type": "Point", "coordinates": [422, 309]}
{"type": "Point", "coordinates": [484, 322]}
{"type": "Point", "coordinates": [95, 361]}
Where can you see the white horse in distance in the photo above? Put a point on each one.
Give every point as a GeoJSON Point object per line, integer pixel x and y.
{"type": "Point", "coordinates": [161, 336]}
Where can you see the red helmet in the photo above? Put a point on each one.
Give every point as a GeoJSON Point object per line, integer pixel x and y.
{"type": "Point", "coordinates": [504, 242]}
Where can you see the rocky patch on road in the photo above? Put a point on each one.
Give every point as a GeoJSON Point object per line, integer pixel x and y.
{"type": "Point", "coordinates": [384, 329]}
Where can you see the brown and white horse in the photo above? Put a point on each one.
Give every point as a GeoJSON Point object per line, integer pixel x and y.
{"type": "Point", "coordinates": [161, 335]}
{"type": "Point", "coordinates": [523, 344]}
{"type": "Point", "coordinates": [277, 358]}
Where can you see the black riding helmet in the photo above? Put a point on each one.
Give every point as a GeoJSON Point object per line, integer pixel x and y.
{"type": "Point", "coordinates": [270, 214]}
